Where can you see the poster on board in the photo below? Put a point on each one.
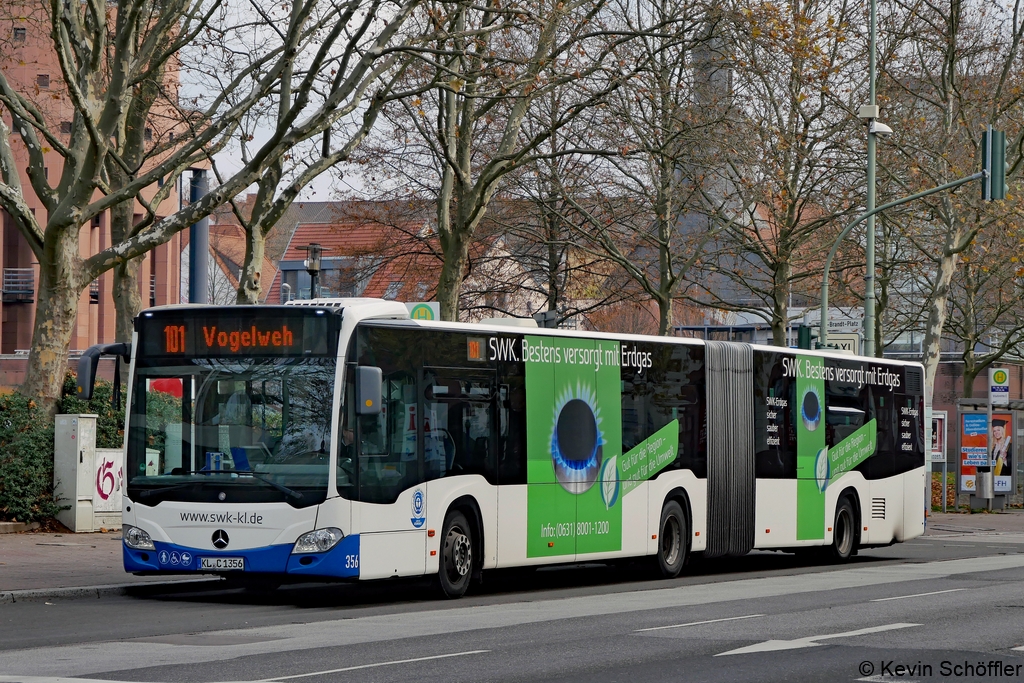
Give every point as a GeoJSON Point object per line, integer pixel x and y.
{"type": "Point", "coordinates": [938, 444]}
{"type": "Point", "coordinates": [974, 450]}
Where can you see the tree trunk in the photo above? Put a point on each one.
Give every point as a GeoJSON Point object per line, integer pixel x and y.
{"type": "Point", "coordinates": [127, 298]}
{"type": "Point", "coordinates": [249, 288]}
{"type": "Point", "coordinates": [455, 248]}
{"type": "Point", "coordinates": [664, 315]}
{"type": "Point", "coordinates": [971, 371]}
{"type": "Point", "coordinates": [56, 314]}
{"type": "Point", "coordinates": [128, 301]}
{"type": "Point", "coordinates": [936, 321]}
{"type": "Point", "coordinates": [780, 305]}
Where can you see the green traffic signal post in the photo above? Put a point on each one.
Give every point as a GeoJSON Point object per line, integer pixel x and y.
{"type": "Point", "coordinates": [993, 177]}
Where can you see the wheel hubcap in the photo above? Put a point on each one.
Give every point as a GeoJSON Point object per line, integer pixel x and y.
{"type": "Point", "coordinates": [458, 553]}
{"type": "Point", "coordinates": [671, 541]}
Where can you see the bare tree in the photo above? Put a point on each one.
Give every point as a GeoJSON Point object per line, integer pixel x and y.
{"type": "Point", "coordinates": [323, 55]}
{"type": "Point", "coordinates": [653, 219]}
{"type": "Point", "coordinates": [791, 161]}
{"type": "Point", "coordinates": [985, 314]}
{"type": "Point", "coordinates": [958, 70]}
{"type": "Point", "coordinates": [457, 142]}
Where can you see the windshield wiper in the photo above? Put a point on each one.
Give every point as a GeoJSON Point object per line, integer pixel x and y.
{"type": "Point", "coordinates": [269, 482]}
{"type": "Point", "coordinates": [164, 489]}
{"type": "Point", "coordinates": [255, 475]}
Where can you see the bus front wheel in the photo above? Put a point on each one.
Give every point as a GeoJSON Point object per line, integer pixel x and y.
{"type": "Point", "coordinates": [672, 537]}
{"type": "Point", "coordinates": [456, 568]}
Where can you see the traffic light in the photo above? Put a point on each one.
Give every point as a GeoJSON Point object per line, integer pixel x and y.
{"type": "Point", "coordinates": [993, 161]}
{"type": "Point", "coordinates": [805, 337]}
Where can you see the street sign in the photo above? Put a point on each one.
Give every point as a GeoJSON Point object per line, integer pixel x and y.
{"type": "Point", "coordinates": [845, 341]}
{"type": "Point", "coordinates": [999, 386]}
{"type": "Point", "coordinates": [424, 310]}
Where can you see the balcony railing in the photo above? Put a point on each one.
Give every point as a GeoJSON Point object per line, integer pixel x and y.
{"type": "Point", "coordinates": [19, 285]}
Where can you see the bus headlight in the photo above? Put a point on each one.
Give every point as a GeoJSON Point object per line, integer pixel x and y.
{"type": "Point", "coordinates": [319, 541]}
{"type": "Point", "coordinates": [136, 539]}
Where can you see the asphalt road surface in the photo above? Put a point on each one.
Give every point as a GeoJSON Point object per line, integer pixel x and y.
{"type": "Point", "coordinates": [943, 607]}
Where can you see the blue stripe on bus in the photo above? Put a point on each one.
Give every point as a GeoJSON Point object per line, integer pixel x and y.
{"type": "Point", "coordinates": [341, 561]}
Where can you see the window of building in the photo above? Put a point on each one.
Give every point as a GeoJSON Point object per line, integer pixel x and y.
{"type": "Point", "coordinates": [152, 289]}
{"type": "Point", "coordinates": [43, 80]}
{"type": "Point", "coordinates": [46, 172]}
{"type": "Point", "coordinates": [94, 292]}
{"type": "Point", "coordinates": [392, 290]}
{"type": "Point", "coordinates": [148, 134]}
{"type": "Point", "coordinates": [20, 34]}
{"type": "Point", "coordinates": [170, 136]}
{"type": "Point", "coordinates": [65, 127]}
{"type": "Point", "coordinates": [96, 221]}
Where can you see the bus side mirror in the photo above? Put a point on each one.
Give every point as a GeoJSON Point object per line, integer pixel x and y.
{"type": "Point", "coordinates": [86, 380]}
{"type": "Point", "coordinates": [368, 389]}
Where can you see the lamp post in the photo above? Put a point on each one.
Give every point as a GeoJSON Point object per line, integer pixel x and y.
{"type": "Point", "coordinates": [199, 244]}
{"type": "Point", "coordinates": [869, 112]}
{"type": "Point", "coordinates": [312, 263]}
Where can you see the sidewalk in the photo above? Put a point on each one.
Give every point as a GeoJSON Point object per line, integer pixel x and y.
{"type": "Point", "coordinates": [1010, 520]}
{"type": "Point", "coordinates": [64, 564]}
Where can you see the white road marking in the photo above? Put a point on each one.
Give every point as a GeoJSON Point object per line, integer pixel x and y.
{"type": "Point", "coordinates": [1018, 649]}
{"type": "Point", "coordinates": [809, 641]}
{"type": "Point", "coordinates": [53, 679]}
{"type": "Point", "coordinates": [373, 666]}
{"type": "Point", "coordinates": [918, 595]}
{"type": "Point", "coordinates": [696, 623]}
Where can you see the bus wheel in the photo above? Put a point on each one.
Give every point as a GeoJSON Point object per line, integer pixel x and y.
{"type": "Point", "coordinates": [844, 532]}
{"type": "Point", "coordinates": [672, 540]}
{"type": "Point", "coordinates": [456, 568]}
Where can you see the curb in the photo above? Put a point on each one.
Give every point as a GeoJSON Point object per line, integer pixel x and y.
{"type": "Point", "coordinates": [75, 592]}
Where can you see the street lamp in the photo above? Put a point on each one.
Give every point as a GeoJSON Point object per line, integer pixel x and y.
{"type": "Point", "coordinates": [312, 263]}
{"type": "Point", "coordinates": [870, 112]}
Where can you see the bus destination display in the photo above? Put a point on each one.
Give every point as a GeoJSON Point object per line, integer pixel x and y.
{"type": "Point", "coordinates": [237, 335]}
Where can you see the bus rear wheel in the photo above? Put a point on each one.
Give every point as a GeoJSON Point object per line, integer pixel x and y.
{"type": "Point", "coordinates": [844, 532]}
{"type": "Point", "coordinates": [672, 537]}
{"type": "Point", "coordinates": [456, 568]}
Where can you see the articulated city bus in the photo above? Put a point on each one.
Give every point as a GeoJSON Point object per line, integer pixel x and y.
{"type": "Point", "coordinates": [341, 440]}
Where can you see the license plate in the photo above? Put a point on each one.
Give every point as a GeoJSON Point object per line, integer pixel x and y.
{"type": "Point", "coordinates": [221, 564]}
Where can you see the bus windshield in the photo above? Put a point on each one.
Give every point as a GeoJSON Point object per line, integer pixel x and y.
{"type": "Point", "coordinates": [230, 430]}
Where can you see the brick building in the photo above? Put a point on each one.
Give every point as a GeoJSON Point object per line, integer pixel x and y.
{"type": "Point", "coordinates": [30, 66]}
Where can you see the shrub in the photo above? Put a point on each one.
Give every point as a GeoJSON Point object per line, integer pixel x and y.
{"type": "Point", "coordinates": [26, 460]}
{"type": "Point", "coordinates": [26, 447]}
{"type": "Point", "coordinates": [110, 420]}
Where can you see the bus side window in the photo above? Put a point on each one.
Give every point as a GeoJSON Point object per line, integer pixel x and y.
{"type": "Point", "coordinates": [882, 464]}
{"type": "Point", "coordinates": [512, 416]}
{"type": "Point", "coordinates": [845, 408]}
{"type": "Point", "coordinates": [458, 426]}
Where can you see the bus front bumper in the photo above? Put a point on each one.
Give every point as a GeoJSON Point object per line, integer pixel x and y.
{"type": "Point", "coordinates": [341, 561]}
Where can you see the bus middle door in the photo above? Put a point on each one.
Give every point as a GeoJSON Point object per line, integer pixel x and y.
{"type": "Point", "coordinates": [459, 435]}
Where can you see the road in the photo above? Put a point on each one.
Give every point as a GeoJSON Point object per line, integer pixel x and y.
{"type": "Point", "coordinates": [943, 606]}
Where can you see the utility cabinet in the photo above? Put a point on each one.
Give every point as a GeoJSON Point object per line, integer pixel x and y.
{"type": "Point", "coordinates": [85, 480]}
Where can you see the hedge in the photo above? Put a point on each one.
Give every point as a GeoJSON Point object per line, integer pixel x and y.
{"type": "Point", "coordinates": [26, 447]}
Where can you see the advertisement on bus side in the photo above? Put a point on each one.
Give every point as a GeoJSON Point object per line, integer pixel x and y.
{"type": "Point", "coordinates": [577, 474]}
